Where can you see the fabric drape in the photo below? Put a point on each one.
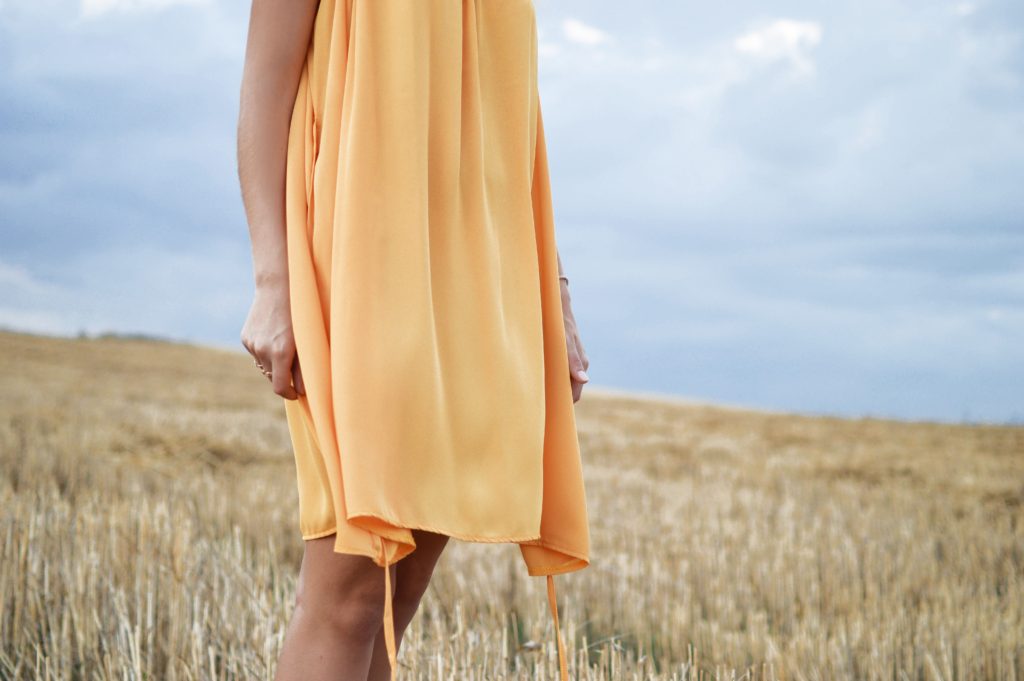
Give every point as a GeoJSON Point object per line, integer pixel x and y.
{"type": "Point", "coordinates": [424, 290]}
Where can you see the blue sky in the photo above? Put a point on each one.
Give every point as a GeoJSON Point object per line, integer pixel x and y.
{"type": "Point", "coordinates": [802, 206]}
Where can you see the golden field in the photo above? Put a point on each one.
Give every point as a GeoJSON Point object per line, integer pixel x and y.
{"type": "Point", "coordinates": [149, 531]}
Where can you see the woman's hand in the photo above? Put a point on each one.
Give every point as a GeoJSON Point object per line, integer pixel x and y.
{"type": "Point", "coordinates": [268, 337]}
{"type": "Point", "coordinates": [578, 362]}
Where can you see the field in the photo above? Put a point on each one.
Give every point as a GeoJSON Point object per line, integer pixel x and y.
{"type": "Point", "coordinates": [149, 511]}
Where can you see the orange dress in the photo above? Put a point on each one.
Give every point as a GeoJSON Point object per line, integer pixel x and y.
{"type": "Point", "coordinates": [424, 290]}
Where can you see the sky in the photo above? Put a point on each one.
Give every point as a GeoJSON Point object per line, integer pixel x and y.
{"type": "Point", "coordinates": [797, 206]}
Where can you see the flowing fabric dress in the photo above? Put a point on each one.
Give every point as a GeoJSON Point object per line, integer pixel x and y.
{"type": "Point", "coordinates": [424, 290]}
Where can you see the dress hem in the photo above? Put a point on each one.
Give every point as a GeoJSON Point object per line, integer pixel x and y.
{"type": "Point", "coordinates": [532, 540]}
{"type": "Point", "coordinates": [462, 536]}
{"type": "Point", "coordinates": [456, 534]}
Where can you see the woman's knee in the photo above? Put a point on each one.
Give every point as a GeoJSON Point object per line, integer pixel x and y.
{"type": "Point", "coordinates": [355, 611]}
{"type": "Point", "coordinates": [342, 592]}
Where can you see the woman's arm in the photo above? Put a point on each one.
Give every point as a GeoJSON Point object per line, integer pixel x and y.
{"type": "Point", "coordinates": [278, 40]}
{"type": "Point", "coordinates": [279, 33]}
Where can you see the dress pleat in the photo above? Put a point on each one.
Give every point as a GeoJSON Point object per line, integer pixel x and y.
{"type": "Point", "coordinates": [424, 290]}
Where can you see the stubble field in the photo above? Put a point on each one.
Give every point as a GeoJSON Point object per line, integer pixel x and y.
{"type": "Point", "coordinates": [148, 531]}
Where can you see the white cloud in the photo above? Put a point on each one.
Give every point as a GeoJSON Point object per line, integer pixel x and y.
{"type": "Point", "coordinates": [584, 34]}
{"type": "Point", "coordinates": [782, 40]}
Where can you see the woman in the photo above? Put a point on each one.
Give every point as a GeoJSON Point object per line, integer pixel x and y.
{"type": "Point", "coordinates": [410, 306]}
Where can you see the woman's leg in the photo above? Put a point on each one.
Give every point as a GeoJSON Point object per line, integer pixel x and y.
{"type": "Point", "coordinates": [339, 607]}
{"type": "Point", "coordinates": [414, 572]}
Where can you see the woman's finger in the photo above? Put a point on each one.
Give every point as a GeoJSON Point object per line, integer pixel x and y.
{"type": "Point", "coordinates": [577, 376]}
{"type": "Point", "coordinates": [297, 377]}
{"type": "Point", "coordinates": [577, 390]}
{"type": "Point", "coordinates": [576, 363]}
{"type": "Point", "coordinates": [583, 353]}
{"type": "Point", "coordinates": [262, 361]}
{"type": "Point", "coordinates": [282, 374]}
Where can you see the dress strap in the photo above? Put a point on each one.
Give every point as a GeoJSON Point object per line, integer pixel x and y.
{"type": "Point", "coordinates": [389, 622]}
{"type": "Point", "coordinates": [553, 602]}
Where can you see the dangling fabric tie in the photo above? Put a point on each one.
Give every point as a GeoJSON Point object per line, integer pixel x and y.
{"type": "Point", "coordinates": [389, 624]}
{"type": "Point", "coordinates": [553, 602]}
{"type": "Point", "coordinates": [389, 621]}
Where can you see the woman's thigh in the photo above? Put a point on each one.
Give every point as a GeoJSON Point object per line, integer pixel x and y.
{"type": "Point", "coordinates": [340, 586]}
{"type": "Point", "coordinates": [416, 569]}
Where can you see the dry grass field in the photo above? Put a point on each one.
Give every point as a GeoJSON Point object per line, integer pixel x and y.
{"type": "Point", "coordinates": [149, 531]}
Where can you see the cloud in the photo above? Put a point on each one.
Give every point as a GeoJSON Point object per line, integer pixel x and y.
{"type": "Point", "coordinates": [576, 31]}
{"type": "Point", "coordinates": [734, 229]}
{"type": "Point", "coordinates": [173, 292]}
{"type": "Point", "coordinates": [783, 40]}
